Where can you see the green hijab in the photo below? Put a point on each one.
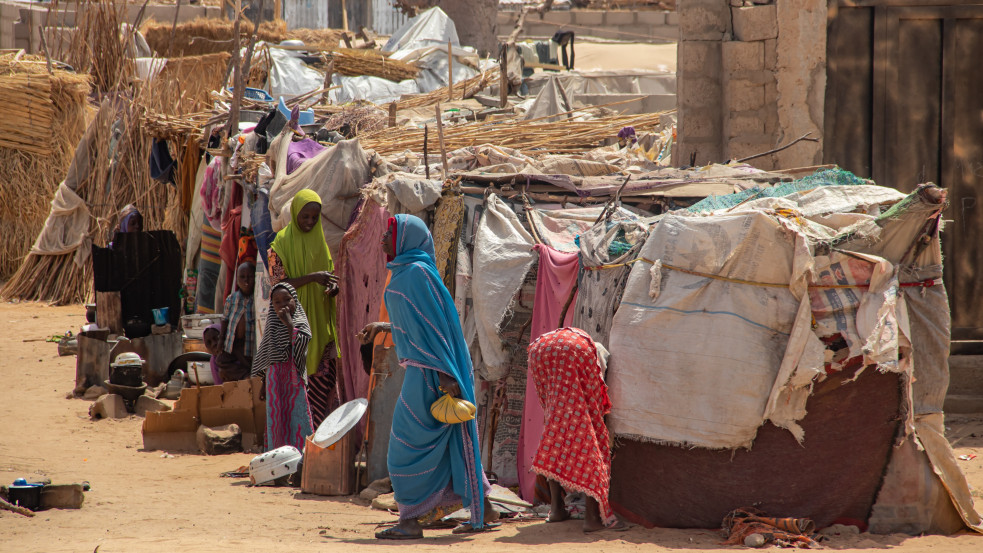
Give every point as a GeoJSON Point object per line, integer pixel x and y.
{"type": "Point", "coordinates": [303, 253]}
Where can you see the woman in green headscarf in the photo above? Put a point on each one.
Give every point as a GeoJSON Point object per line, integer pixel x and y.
{"type": "Point", "coordinates": [300, 257]}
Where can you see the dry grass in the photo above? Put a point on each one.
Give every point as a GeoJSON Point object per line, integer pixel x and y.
{"type": "Point", "coordinates": [353, 63]}
{"type": "Point", "coordinates": [533, 136]}
{"type": "Point", "coordinates": [205, 36]}
{"type": "Point", "coordinates": [184, 85]}
{"type": "Point", "coordinates": [30, 171]}
{"type": "Point", "coordinates": [97, 47]}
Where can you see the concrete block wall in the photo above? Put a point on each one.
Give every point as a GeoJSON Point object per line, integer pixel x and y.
{"type": "Point", "coordinates": [626, 25]}
{"type": "Point", "coordinates": [750, 81]}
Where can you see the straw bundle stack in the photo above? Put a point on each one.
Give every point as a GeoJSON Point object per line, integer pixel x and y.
{"type": "Point", "coordinates": [564, 136]}
{"type": "Point", "coordinates": [460, 90]}
{"type": "Point", "coordinates": [355, 119]}
{"type": "Point", "coordinates": [42, 118]}
{"type": "Point", "coordinates": [206, 36]}
{"type": "Point", "coordinates": [354, 63]}
{"type": "Point", "coordinates": [184, 85]}
{"type": "Point", "coordinates": [97, 48]}
{"type": "Point", "coordinates": [106, 187]}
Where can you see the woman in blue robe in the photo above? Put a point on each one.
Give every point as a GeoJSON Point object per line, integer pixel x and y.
{"type": "Point", "coordinates": [431, 464]}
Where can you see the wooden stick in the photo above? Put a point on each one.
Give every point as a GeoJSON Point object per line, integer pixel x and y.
{"type": "Point", "coordinates": [392, 114]}
{"type": "Point", "coordinates": [503, 81]}
{"type": "Point", "coordinates": [426, 155]}
{"type": "Point", "coordinates": [44, 46]}
{"type": "Point", "coordinates": [344, 16]}
{"type": "Point", "coordinates": [450, 73]}
{"type": "Point", "coordinates": [780, 148]}
{"type": "Point", "coordinates": [440, 137]}
{"type": "Point", "coordinates": [237, 79]}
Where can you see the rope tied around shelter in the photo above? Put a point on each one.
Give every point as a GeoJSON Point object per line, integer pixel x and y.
{"type": "Point", "coordinates": [927, 283]}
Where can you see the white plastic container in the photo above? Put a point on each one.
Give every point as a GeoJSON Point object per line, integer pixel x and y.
{"type": "Point", "coordinates": [194, 325]}
{"type": "Point", "coordinates": [271, 465]}
{"type": "Point", "coordinates": [204, 372]}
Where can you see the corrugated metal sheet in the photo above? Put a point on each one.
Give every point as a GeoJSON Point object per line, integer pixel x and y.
{"type": "Point", "coordinates": [386, 18]}
{"type": "Point", "coordinates": [306, 14]}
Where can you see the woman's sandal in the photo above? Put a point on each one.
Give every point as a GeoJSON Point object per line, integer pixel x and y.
{"type": "Point", "coordinates": [618, 526]}
{"type": "Point", "coordinates": [395, 533]}
{"type": "Point", "coordinates": [466, 528]}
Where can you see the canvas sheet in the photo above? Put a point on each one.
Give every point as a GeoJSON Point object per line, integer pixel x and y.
{"type": "Point", "coordinates": [502, 256]}
{"type": "Point", "coordinates": [696, 363]}
{"type": "Point", "coordinates": [336, 174]}
{"type": "Point", "coordinates": [67, 227]}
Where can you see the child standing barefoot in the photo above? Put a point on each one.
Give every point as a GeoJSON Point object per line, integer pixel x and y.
{"type": "Point", "coordinates": [282, 357]}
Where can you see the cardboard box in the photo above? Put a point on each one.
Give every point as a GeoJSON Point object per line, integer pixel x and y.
{"type": "Point", "coordinates": [230, 403]}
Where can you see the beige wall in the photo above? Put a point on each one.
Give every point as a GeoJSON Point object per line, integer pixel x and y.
{"type": "Point", "coordinates": [751, 78]}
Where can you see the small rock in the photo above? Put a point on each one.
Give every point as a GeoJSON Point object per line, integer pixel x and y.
{"type": "Point", "coordinates": [147, 404]}
{"type": "Point", "coordinates": [219, 440]}
{"type": "Point", "coordinates": [382, 485]}
{"type": "Point", "coordinates": [840, 529]}
{"type": "Point", "coordinates": [385, 502]}
{"type": "Point", "coordinates": [755, 540]}
{"type": "Point", "coordinates": [109, 406]}
{"type": "Point", "coordinates": [94, 392]}
{"type": "Point", "coordinates": [369, 493]}
{"type": "Point", "coordinates": [156, 391]}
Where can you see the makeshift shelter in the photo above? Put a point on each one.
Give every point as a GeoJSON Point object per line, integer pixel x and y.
{"type": "Point", "coordinates": [752, 341]}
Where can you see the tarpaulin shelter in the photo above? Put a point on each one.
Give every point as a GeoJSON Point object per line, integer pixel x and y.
{"type": "Point", "coordinates": [788, 352]}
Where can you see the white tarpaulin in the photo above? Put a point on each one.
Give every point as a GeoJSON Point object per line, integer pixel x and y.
{"type": "Point", "coordinates": [429, 28]}
{"type": "Point", "coordinates": [707, 349]}
{"type": "Point", "coordinates": [67, 226]}
{"type": "Point", "coordinates": [291, 77]}
{"type": "Point", "coordinates": [502, 256]}
{"type": "Point", "coordinates": [423, 42]}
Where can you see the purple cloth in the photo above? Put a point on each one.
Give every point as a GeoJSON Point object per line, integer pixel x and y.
{"type": "Point", "coordinates": [300, 151]}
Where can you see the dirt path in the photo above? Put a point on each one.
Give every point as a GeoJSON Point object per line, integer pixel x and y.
{"type": "Point", "coordinates": [143, 502]}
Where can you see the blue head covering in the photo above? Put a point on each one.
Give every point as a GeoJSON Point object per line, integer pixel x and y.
{"type": "Point", "coordinates": [429, 340]}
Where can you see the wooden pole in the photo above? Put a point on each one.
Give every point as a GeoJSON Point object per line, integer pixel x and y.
{"type": "Point", "coordinates": [44, 46]}
{"type": "Point", "coordinates": [238, 83]}
{"type": "Point", "coordinates": [278, 8]}
{"type": "Point", "coordinates": [344, 16]}
{"type": "Point", "coordinates": [426, 155]}
{"type": "Point", "coordinates": [392, 114]}
{"type": "Point", "coordinates": [503, 82]}
{"type": "Point", "coordinates": [450, 74]}
{"type": "Point", "coordinates": [440, 138]}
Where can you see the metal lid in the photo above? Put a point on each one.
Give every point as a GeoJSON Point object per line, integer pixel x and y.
{"type": "Point", "coordinates": [339, 422]}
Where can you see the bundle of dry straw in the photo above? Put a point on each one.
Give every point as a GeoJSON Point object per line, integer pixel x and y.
{"type": "Point", "coordinates": [459, 91]}
{"type": "Point", "coordinates": [565, 136]}
{"type": "Point", "coordinates": [184, 85]}
{"type": "Point", "coordinates": [42, 118]}
{"type": "Point", "coordinates": [354, 63]}
{"type": "Point", "coordinates": [205, 35]}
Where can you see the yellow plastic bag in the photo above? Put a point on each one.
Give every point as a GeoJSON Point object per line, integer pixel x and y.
{"type": "Point", "coordinates": [452, 410]}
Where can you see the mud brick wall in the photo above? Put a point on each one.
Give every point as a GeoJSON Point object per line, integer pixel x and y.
{"type": "Point", "coordinates": [751, 77]}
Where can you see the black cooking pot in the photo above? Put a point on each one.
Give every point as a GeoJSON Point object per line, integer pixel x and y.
{"type": "Point", "coordinates": [28, 497]}
{"type": "Point", "coordinates": [126, 375]}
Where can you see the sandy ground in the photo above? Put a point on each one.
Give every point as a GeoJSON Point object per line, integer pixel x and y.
{"type": "Point", "coordinates": [143, 502]}
{"type": "Point", "coordinates": [619, 55]}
